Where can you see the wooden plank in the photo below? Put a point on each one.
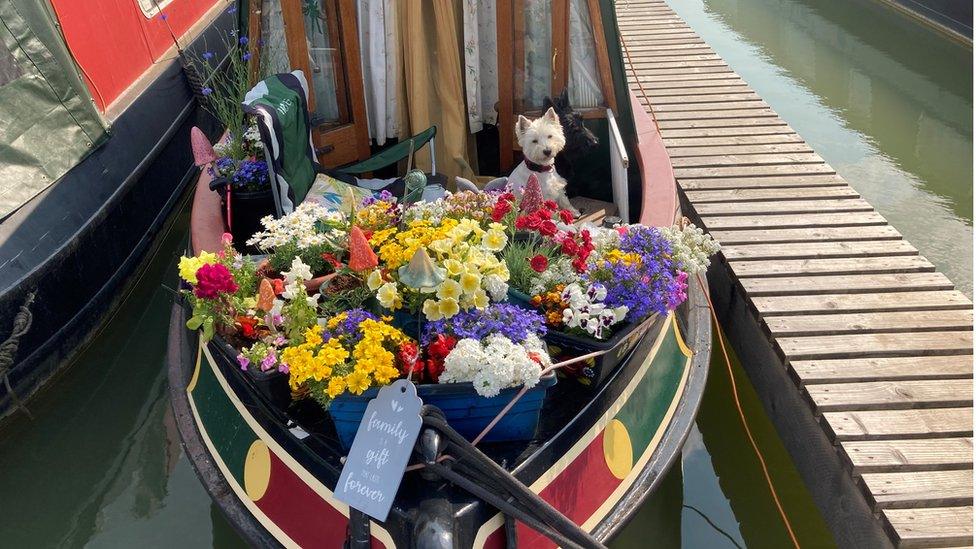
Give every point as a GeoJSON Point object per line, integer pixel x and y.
{"type": "Point", "coordinates": [779, 207]}
{"type": "Point", "coordinates": [831, 284]}
{"type": "Point", "coordinates": [850, 323]}
{"type": "Point", "coordinates": [883, 456]}
{"type": "Point", "coordinates": [688, 92]}
{"type": "Point", "coordinates": [931, 527]}
{"type": "Point", "coordinates": [746, 159]}
{"type": "Point", "coordinates": [763, 182]}
{"type": "Point", "coordinates": [885, 424]}
{"type": "Point", "coordinates": [834, 302]}
{"type": "Point", "coordinates": [890, 395]}
{"type": "Point", "coordinates": [762, 194]}
{"type": "Point", "coordinates": [878, 369]}
{"type": "Point", "coordinates": [752, 171]}
{"type": "Point", "coordinates": [919, 489]}
{"type": "Point", "coordinates": [732, 131]}
{"type": "Point", "coordinates": [650, 50]}
{"type": "Point", "coordinates": [813, 250]}
{"type": "Point", "coordinates": [715, 100]}
{"type": "Point", "coordinates": [843, 219]}
{"type": "Point", "coordinates": [877, 345]}
{"type": "Point", "coordinates": [716, 115]}
{"type": "Point", "coordinates": [678, 144]}
{"type": "Point", "coordinates": [854, 266]}
{"type": "Point", "coordinates": [506, 105]}
{"type": "Point", "coordinates": [721, 123]}
{"type": "Point", "coordinates": [815, 234]}
{"type": "Point", "coordinates": [732, 149]}
{"type": "Point", "coordinates": [602, 54]}
{"type": "Point", "coordinates": [559, 14]}
{"type": "Point", "coordinates": [669, 59]}
{"type": "Point", "coordinates": [656, 66]}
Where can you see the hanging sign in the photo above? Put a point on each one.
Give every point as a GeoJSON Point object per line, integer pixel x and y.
{"type": "Point", "coordinates": [380, 452]}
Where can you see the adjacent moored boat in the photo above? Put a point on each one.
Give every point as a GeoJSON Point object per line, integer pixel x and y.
{"type": "Point", "coordinates": [600, 446]}
{"type": "Point", "coordinates": [93, 156]}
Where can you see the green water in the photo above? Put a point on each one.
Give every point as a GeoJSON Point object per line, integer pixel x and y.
{"type": "Point", "coordinates": [886, 102]}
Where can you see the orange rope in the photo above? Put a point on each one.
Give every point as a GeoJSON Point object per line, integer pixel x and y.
{"type": "Point", "coordinates": [742, 416]}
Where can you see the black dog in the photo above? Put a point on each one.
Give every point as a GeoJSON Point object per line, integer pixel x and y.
{"type": "Point", "coordinates": [579, 140]}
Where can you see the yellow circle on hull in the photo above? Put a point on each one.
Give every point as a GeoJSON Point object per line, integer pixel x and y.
{"type": "Point", "coordinates": [257, 470]}
{"type": "Point", "coordinates": [617, 449]}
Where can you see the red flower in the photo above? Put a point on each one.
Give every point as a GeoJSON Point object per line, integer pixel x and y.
{"type": "Point", "coordinates": [331, 259]}
{"type": "Point", "coordinates": [547, 228]}
{"type": "Point", "coordinates": [437, 350]}
{"type": "Point", "coordinates": [543, 214]}
{"type": "Point", "coordinates": [212, 280]}
{"type": "Point", "coordinates": [409, 357]}
{"type": "Point", "coordinates": [566, 216]}
{"type": "Point", "coordinates": [587, 239]}
{"type": "Point", "coordinates": [570, 247]}
{"type": "Point", "coordinates": [248, 326]}
{"type": "Point", "coordinates": [539, 263]}
{"type": "Point", "coordinates": [579, 264]}
{"type": "Point", "coordinates": [551, 204]}
{"type": "Point", "coordinates": [278, 285]}
{"type": "Point", "coordinates": [500, 210]}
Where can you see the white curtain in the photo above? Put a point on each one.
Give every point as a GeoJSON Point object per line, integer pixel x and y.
{"type": "Point", "coordinates": [538, 52]}
{"type": "Point", "coordinates": [274, 48]}
{"type": "Point", "coordinates": [584, 82]}
{"type": "Point", "coordinates": [378, 53]}
{"type": "Point", "coordinates": [480, 63]}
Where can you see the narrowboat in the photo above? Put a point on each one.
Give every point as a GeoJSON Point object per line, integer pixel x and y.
{"type": "Point", "coordinates": [601, 444]}
{"type": "Point", "coordinates": [94, 156]}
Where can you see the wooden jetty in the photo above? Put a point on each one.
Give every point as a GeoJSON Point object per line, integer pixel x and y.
{"type": "Point", "coordinates": [859, 349]}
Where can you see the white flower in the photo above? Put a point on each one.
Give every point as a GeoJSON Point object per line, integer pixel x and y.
{"type": "Point", "coordinates": [299, 271]}
{"type": "Point", "coordinates": [495, 364]}
{"type": "Point", "coordinates": [690, 247]}
{"type": "Point", "coordinates": [497, 288]}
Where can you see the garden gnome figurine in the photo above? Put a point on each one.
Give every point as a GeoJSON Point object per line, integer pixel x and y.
{"type": "Point", "coordinates": [361, 255]}
{"type": "Point", "coordinates": [421, 273]}
{"type": "Point", "coordinates": [203, 151]}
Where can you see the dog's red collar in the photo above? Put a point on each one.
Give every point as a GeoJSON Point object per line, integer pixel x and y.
{"type": "Point", "coordinates": [537, 167]}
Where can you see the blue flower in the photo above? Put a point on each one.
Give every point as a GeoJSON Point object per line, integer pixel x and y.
{"type": "Point", "coordinates": [232, 10]}
{"type": "Point", "coordinates": [206, 91]}
{"type": "Point", "coordinates": [242, 40]}
{"type": "Point", "coordinates": [513, 322]}
{"type": "Point", "coordinates": [246, 57]}
{"type": "Point", "coordinates": [208, 55]}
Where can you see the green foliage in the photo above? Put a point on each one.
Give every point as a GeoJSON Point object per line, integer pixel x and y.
{"type": "Point", "coordinates": [517, 255]}
{"type": "Point", "coordinates": [282, 256]}
{"type": "Point", "coordinates": [225, 82]}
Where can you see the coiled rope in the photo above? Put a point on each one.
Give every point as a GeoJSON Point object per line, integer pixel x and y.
{"type": "Point", "coordinates": [8, 349]}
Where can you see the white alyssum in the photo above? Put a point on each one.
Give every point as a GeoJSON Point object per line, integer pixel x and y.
{"type": "Point", "coordinates": [690, 247]}
{"type": "Point", "coordinates": [560, 271]}
{"type": "Point", "coordinates": [496, 363]}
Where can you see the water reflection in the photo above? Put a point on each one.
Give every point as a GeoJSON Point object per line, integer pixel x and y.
{"type": "Point", "coordinates": [886, 101]}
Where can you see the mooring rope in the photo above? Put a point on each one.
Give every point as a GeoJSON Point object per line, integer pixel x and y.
{"type": "Point", "coordinates": [8, 349]}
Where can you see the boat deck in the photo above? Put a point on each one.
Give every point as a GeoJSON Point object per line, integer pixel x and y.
{"type": "Point", "coordinates": [873, 342]}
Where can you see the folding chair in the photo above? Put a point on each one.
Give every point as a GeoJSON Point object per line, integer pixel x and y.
{"type": "Point", "coordinates": [280, 105]}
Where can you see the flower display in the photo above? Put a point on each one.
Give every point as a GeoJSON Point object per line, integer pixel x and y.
{"type": "Point", "coordinates": [586, 310]}
{"type": "Point", "coordinates": [213, 280]}
{"type": "Point", "coordinates": [378, 212]}
{"type": "Point", "coordinates": [309, 232]}
{"type": "Point", "coordinates": [458, 206]}
{"type": "Point", "coordinates": [462, 251]}
{"type": "Point", "coordinates": [352, 352]}
{"type": "Point", "coordinates": [690, 247]}
{"type": "Point", "coordinates": [496, 363]}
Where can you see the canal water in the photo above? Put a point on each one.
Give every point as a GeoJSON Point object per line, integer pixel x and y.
{"type": "Point", "coordinates": [885, 101]}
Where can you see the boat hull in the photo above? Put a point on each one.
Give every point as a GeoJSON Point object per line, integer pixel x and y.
{"type": "Point", "coordinates": [270, 484]}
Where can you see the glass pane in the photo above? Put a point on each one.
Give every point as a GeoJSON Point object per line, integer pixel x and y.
{"type": "Point", "coordinates": [538, 52]}
{"type": "Point", "coordinates": [324, 59]}
{"type": "Point", "coordinates": [274, 46]}
{"type": "Point", "coordinates": [584, 80]}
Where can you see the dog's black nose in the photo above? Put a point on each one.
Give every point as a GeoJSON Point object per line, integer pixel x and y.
{"type": "Point", "coordinates": [547, 152]}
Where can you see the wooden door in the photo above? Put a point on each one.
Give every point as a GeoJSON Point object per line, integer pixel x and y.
{"type": "Point", "coordinates": [323, 41]}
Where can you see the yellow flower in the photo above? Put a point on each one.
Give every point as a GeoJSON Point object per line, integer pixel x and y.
{"type": "Point", "coordinates": [454, 267]}
{"type": "Point", "coordinates": [470, 282]}
{"type": "Point", "coordinates": [313, 335]}
{"type": "Point", "coordinates": [449, 289]}
{"type": "Point", "coordinates": [357, 382]}
{"type": "Point", "coordinates": [190, 265]}
{"type": "Point", "coordinates": [375, 280]}
{"type": "Point", "coordinates": [385, 374]}
{"type": "Point", "coordinates": [480, 299]}
{"type": "Point", "coordinates": [389, 297]}
{"type": "Point", "coordinates": [448, 307]}
{"type": "Point", "coordinates": [432, 310]}
{"type": "Point", "coordinates": [336, 386]}
{"type": "Point", "coordinates": [495, 240]}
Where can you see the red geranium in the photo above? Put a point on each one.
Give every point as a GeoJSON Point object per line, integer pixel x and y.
{"type": "Point", "coordinates": [547, 228]}
{"type": "Point", "coordinates": [570, 247]}
{"type": "Point", "coordinates": [566, 216]}
{"type": "Point", "coordinates": [212, 280]}
{"type": "Point", "coordinates": [437, 351]}
{"type": "Point", "coordinates": [409, 357]}
{"type": "Point", "coordinates": [539, 263]}
{"type": "Point", "coordinates": [248, 326]}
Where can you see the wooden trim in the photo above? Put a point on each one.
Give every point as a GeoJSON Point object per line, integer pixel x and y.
{"type": "Point", "coordinates": [335, 33]}
{"type": "Point", "coordinates": [587, 113]}
{"type": "Point", "coordinates": [602, 55]}
{"type": "Point", "coordinates": [354, 73]}
{"type": "Point", "coordinates": [254, 43]}
{"type": "Point", "coordinates": [294, 22]}
{"type": "Point", "coordinates": [560, 47]}
{"type": "Point", "coordinates": [517, 38]}
{"type": "Point", "coordinates": [506, 111]}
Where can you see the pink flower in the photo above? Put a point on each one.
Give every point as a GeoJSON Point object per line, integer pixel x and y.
{"type": "Point", "coordinates": [226, 239]}
{"type": "Point", "coordinates": [212, 280]}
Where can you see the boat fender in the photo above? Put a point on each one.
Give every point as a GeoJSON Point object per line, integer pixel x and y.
{"type": "Point", "coordinates": [434, 525]}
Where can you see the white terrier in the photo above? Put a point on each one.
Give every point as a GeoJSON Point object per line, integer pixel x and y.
{"type": "Point", "coordinates": [541, 140]}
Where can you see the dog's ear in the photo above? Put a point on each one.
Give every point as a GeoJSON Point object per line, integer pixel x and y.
{"type": "Point", "coordinates": [563, 99]}
{"type": "Point", "coordinates": [522, 125]}
{"type": "Point", "coordinates": [550, 115]}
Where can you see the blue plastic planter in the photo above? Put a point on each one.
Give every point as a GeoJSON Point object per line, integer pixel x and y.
{"type": "Point", "coordinates": [466, 411]}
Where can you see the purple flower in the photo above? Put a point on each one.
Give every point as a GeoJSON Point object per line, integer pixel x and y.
{"type": "Point", "coordinates": [206, 91]}
{"type": "Point", "coordinates": [246, 57]}
{"type": "Point", "coordinates": [268, 361]}
{"type": "Point", "coordinates": [208, 55]}
{"type": "Point", "coordinates": [243, 361]}
{"type": "Point", "coordinates": [232, 10]}
{"type": "Point", "coordinates": [283, 368]}
{"type": "Point", "coordinates": [511, 321]}
{"type": "Point", "coordinates": [242, 40]}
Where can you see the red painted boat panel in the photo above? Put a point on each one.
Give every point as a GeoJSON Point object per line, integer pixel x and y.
{"type": "Point", "coordinates": [659, 202]}
{"type": "Point", "coordinates": [115, 43]}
